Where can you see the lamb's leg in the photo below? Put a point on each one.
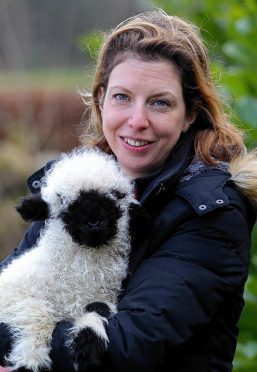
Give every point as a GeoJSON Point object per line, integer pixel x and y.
{"type": "Point", "coordinates": [31, 338]}
{"type": "Point", "coordinates": [90, 339]}
{"type": "Point", "coordinates": [28, 355]}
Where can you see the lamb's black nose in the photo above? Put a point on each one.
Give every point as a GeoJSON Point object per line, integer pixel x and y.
{"type": "Point", "coordinates": [93, 225]}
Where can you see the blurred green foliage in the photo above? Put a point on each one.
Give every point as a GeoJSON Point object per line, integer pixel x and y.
{"type": "Point", "coordinates": [90, 43]}
{"type": "Point", "coordinates": [229, 29]}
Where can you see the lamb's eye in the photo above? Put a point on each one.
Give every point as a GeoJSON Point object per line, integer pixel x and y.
{"type": "Point", "coordinates": [118, 194]}
{"type": "Point", "coordinates": [64, 201]}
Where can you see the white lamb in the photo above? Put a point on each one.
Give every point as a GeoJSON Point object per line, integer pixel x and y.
{"type": "Point", "coordinates": [76, 268]}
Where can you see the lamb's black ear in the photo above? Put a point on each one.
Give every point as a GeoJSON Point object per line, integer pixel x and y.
{"type": "Point", "coordinates": [33, 208]}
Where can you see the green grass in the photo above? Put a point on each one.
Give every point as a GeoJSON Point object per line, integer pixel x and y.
{"type": "Point", "coordinates": [54, 79]}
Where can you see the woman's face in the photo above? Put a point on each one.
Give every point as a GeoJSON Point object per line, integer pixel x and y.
{"type": "Point", "coordinates": [143, 114]}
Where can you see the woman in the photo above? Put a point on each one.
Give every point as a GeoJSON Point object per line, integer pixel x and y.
{"type": "Point", "coordinates": [155, 108]}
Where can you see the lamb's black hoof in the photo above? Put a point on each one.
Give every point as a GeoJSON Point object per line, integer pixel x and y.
{"type": "Point", "coordinates": [88, 350]}
{"type": "Point", "coordinates": [100, 308]}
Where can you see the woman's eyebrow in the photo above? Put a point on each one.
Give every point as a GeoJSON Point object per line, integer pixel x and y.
{"type": "Point", "coordinates": [152, 95]}
{"type": "Point", "coordinates": [162, 93]}
{"type": "Point", "coordinates": [112, 87]}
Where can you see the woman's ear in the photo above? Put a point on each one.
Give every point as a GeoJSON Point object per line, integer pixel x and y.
{"type": "Point", "coordinates": [33, 208]}
{"type": "Point", "coordinates": [101, 94]}
{"type": "Point", "coordinates": [189, 120]}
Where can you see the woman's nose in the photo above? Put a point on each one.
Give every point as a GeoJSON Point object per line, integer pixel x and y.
{"type": "Point", "coordinates": [138, 117]}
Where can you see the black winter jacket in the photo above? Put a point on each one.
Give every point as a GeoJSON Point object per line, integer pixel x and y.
{"type": "Point", "coordinates": [183, 296]}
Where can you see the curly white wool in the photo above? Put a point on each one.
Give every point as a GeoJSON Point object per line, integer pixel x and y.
{"type": "Point", "coordinates": [57, 278]}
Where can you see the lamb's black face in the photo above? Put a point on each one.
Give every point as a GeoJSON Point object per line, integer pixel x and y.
{"type": "Point", "coordinates": [92, 219]}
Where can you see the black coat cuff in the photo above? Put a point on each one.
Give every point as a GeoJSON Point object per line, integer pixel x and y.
{"type": "Point", "coordinates": [60, 351]}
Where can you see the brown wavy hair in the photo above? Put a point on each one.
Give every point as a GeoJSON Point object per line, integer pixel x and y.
{"type": "Point", "coordinates": [157, 36]}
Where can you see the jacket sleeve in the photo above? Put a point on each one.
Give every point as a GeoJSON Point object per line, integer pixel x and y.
{"type": "Point", "coordinates": [28, 241]}
{"type": "Point", "coordinates": [178, 289]}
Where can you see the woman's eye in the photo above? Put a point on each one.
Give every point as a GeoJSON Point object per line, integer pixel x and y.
{"type": "Point", "coordinates": [161, 103]}
{"type": "Point", "coordinates": [121, 97]}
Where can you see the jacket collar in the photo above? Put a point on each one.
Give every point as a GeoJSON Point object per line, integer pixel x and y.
{"type": "Point", "coordinates": [172, 170]}
{"type": "Point", "coordinates": [34, 182]}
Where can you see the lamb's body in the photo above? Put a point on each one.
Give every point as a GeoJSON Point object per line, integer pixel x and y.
{"type": "Point", "coordinates": [64, 284]}
{"type": "Point", "coordinates": [57, 278]}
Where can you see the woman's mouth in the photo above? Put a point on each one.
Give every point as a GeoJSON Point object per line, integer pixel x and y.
{"type": "Point", "coordinates": [136, 143]}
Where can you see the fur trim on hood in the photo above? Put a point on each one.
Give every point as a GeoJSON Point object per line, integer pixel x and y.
{"type": "Point", "coordinates": [244, 174]}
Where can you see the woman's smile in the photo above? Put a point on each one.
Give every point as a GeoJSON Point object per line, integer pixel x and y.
{"type": "Point", "coordinates": [137, 145]}
{"type": "Point", "coordinates": [135, 142]}
{"type": "Point", "coordinates": [143, 113]}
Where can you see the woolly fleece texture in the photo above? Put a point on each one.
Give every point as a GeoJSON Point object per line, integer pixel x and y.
{"type": "Point", "coordinates": [57, 278]}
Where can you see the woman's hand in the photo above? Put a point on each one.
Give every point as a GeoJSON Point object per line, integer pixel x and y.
{"type": "Point", "coordinates": [3, 369]}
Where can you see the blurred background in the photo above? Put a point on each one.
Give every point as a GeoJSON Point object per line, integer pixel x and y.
{"type": "Point", "coordinates": [47, 56]}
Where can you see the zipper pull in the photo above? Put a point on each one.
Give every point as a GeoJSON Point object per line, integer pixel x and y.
{"type": "Point", "coordinates": [161, 189]}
